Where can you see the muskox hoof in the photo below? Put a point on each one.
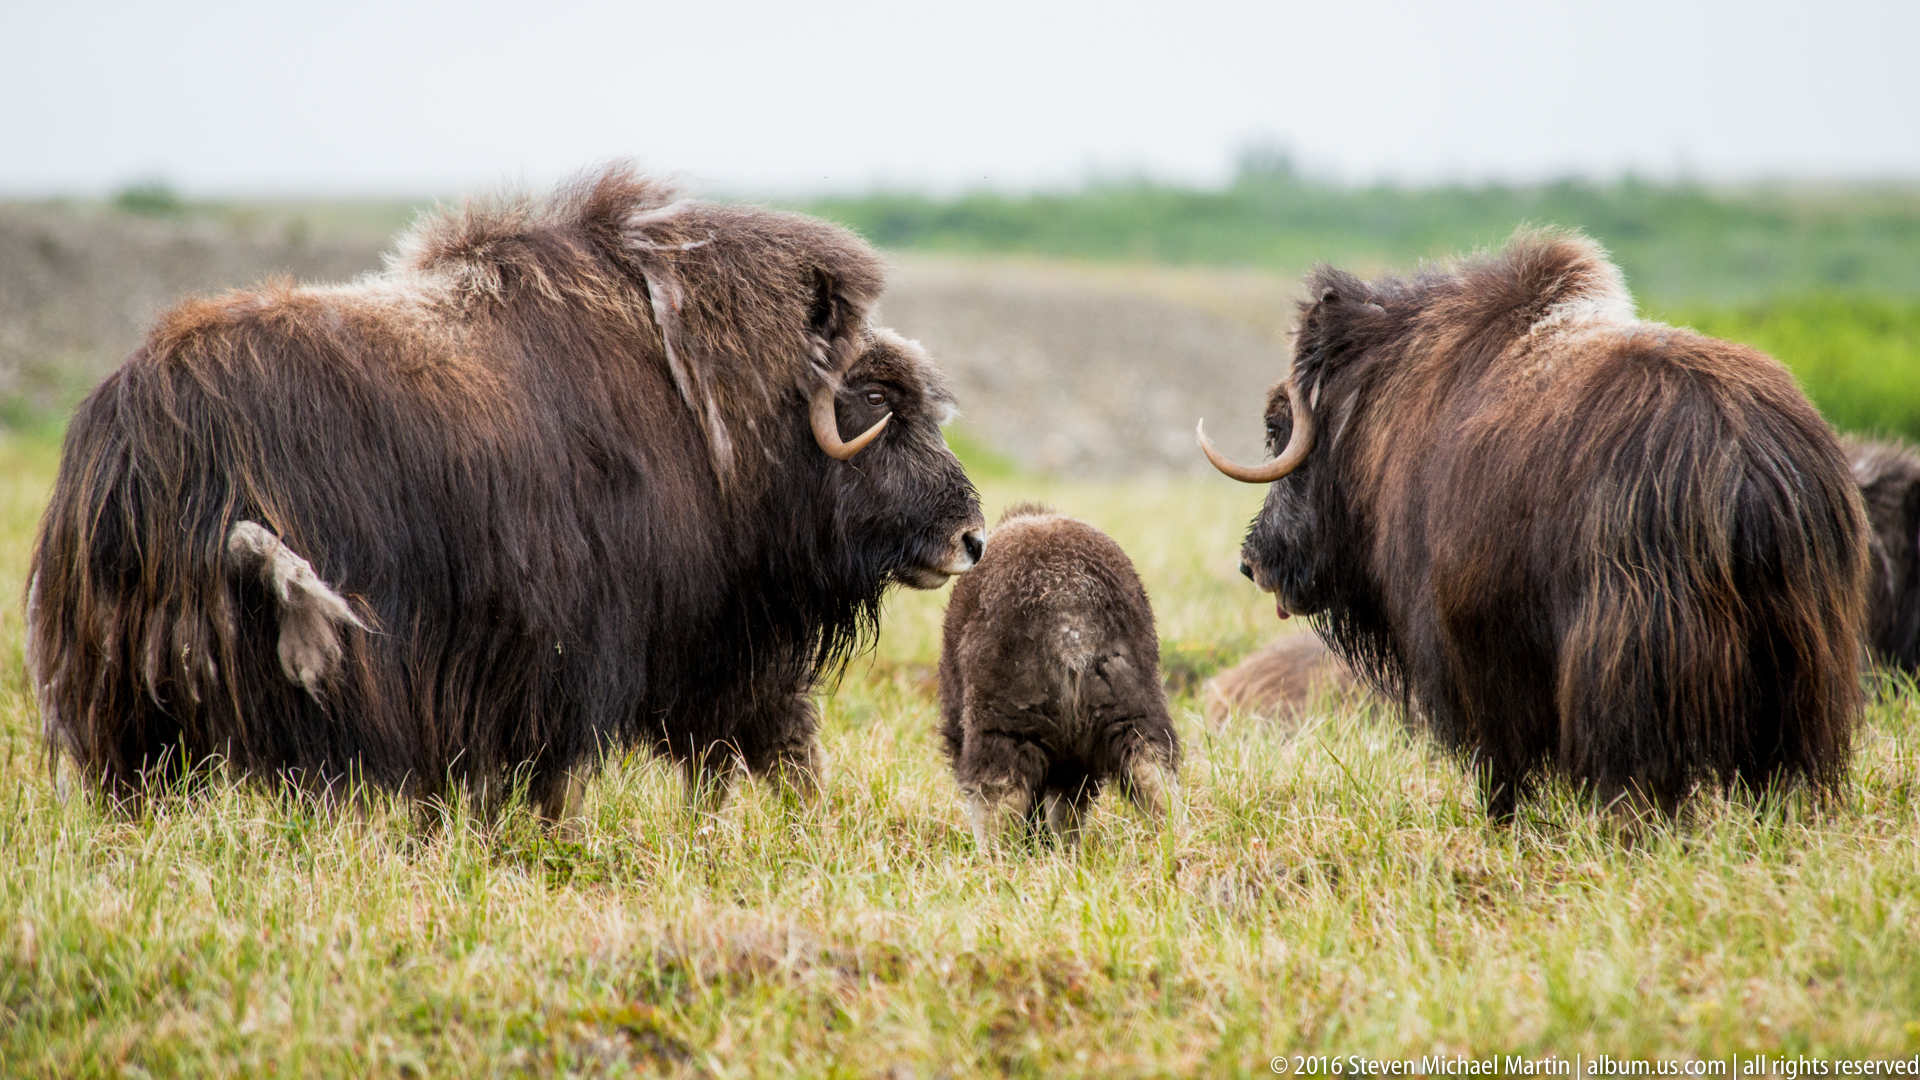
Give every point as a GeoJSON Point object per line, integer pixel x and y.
{"type": "Point", "coordinates": [1064, 815]}
{"type": "Point", "coordinates": [995, 814]}
{"type": "Point", "coordinates": [1153, 788]}
{"type": "Point", "coordinates": [709, 778]}
{"type": "Point", "coordinates": [565, 800]}
{"type": "Point", "coordinates": [798, 777]}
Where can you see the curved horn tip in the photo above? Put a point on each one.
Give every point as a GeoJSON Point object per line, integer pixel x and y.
{"type": "Point", "coordinates": [1289, 459]}
{"type": "Point", "coordinates": [826, 428]}
{"type": "Point", "coordinates": [860, 441]}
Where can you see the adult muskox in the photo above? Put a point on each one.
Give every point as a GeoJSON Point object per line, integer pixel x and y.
{"type": "Point", "coordinates": [562, 478]}
{"type": "Point", "coordinates": [1888, 472]}
{"type": "Point", "coordinates": [1566, 538]}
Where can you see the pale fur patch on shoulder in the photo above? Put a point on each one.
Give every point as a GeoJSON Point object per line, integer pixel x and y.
{"type": "Point", "coordinates": [311, 613]}
{"type": "Point", "coordinates": [644, 216]}
{"type": "Point", "coordinates": [1600, 296]}
{"type": "Point", "coordinates": [692, 374]}
{"type": "Point", "coordinates": [464, 246]}
{"type": "Point", "coordinates": [458, 239]}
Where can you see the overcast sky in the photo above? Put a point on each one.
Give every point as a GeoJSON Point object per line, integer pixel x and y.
{"type": "Point", "coordinates": [363, 97]}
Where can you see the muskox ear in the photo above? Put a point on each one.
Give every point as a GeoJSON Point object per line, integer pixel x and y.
{"type": "Point", "coordinates": [1326, 308]}
{"type": "Point", "coordinates": [827, 313]}
{"type": "Point", "coordinates": [1330, 291]}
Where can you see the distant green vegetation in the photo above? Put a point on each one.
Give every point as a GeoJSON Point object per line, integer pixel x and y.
{"type": "Point", "coordinates": [151, 198]}
{"type": "Point", "coordinates": [296, 220]}
{"type": "Point", "coordinates": [1858, 358]}
{"type": "Point", "coordinates": [1678, 242]}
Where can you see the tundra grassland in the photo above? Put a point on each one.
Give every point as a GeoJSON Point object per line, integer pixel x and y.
{"type": "Point", "coordinates": [1331, 888]}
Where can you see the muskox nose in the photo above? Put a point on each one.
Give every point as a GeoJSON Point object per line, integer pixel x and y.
{"type": "Point", "coordinates": [966, 551]}
{"type": "Point", "coordinates": [1246, 569]}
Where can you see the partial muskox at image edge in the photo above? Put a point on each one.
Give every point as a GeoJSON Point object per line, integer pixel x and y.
{"type": "Point", "coordinates": [1888, 472]}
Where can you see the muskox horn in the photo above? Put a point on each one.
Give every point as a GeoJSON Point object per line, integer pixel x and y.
{"type": "Point", "coordinates": [826, 429]}
{"type": "Point", "coordinates": [1289, 459]}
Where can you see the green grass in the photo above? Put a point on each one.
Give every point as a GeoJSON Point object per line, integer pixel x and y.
{"type": "Point", "coordinates": [1330, 889]}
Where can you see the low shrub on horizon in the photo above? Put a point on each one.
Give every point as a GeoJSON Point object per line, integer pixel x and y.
{"type": "Point", "coordinates": [1857, 358]}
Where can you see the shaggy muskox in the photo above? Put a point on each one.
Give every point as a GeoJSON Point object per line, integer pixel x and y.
{"type": "Point", "coordinates": [1888, 473]}
{"type": "Point", "coordinates": [564, 477]}
{"type": "Point", "coordinates": [1279, 682]}
{"type": "Point", "coordinates": [1567, 539]}
{"type": "Point", "coordinates": [1050, 679]}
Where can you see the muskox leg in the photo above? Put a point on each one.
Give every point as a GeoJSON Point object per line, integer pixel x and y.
{"type": "Point", "coordinates": [994, 810]}
{"type": "Point", "coordinates": [1502, 786]}
{"type": "Point", "coordinates": [1151, 786]}
{"type": "Point", "coordinates": [1066, 812]}
{"type": "Point", "coordinates": [1634, 807]}
{"type": "Point", "coordinates": [789, 757]}
{"type": "Point", "coordinates": [797, 771]}
{"type": "Point", "coordinates": [775, 739]}
{"type": "Point", "coordinates": [998, 776]}
{"type": "Point", "coordinates": [709, 775]}
{"type": "Point", "coordinates": [1138, 744]}
{"type": "Point", "coordinates": [1149, 776]}
{"type": "Point", "coordinates": [564, 799]}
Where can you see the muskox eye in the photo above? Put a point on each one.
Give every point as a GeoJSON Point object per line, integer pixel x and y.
{"type": "Point", "coordinates": [876, 399]}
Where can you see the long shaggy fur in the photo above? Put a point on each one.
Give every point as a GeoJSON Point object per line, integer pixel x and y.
{"type": "Point", "coordinates": [1888, 472]}
{"type": "Point", "coordinates": [1050, 678]}
{"type": "Point", "coordinates": [554, 470]}
{"type": "Point", "coordinates": [1569, 539]}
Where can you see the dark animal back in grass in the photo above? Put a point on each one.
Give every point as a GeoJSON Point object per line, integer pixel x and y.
{"type": "Point", "coordinates": [1280, 681]}
{"type": "Point", "coordinates": [1050, 679]}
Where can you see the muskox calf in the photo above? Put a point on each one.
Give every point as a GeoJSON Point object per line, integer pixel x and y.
{"type": "Point", "coordinates": [624, 470]}
{"type": "Point", "coordinates": [1279, 682]}
{"type": "Point", "coordinates": [1888, 473]}
{"type": "Point", "coordinates": [1050, 679]}
{"type": "Point", "coordinates": [1571, 540]}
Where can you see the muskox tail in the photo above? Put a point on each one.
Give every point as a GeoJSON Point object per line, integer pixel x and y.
{"type": "Point", "coordinates": [164, 624]}
{"type": "Point", "coordinates": [1717, 638]}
